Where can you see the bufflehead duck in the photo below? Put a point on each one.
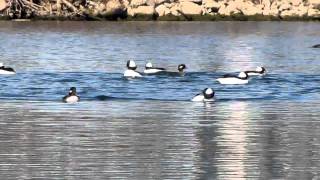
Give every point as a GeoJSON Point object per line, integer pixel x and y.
{"type": "Point", "coordinates": [72, 97]}
{"type": "Point", "coordinates": [242, 78]}
{"type": "Point", "coordinates": [316, 46]}
{"type": "Point", "coordinates": [6, 70]}
{"type": "Point", "coordinates": [260, 71]}
{"type": "Point", "coordinates": [181, 68]}
{"type": "Point", "coordinates": [206, 95]}
{"type": "Point", "coordinates": [152, 70]}
{"type": "Point", "coordinates": [131, 71]}
{"type": "Point", "coordinates": [180, 72]}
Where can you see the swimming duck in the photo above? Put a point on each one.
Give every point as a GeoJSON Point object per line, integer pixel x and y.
{"type": "Point", "coordinates": [206, 95]}
{"type": "Point", "coordinates": [181, 68]}
{"type": "Point", "coordinates": [131, 71]}
{"type": "Point", "coordinates": [242, 78]}
{"type": "Point", "coordinates": [149, 69]}
{"type": "Point", "coordinates": [72, 97]}
{"type": "Point", "coordinates": [260, 71]}
{"type": "Point", "coordinates": [6, 70]}
{"type": "Point", "coordinates": [316, 46]}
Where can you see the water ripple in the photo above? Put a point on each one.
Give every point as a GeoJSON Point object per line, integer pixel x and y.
{"type": "Point", "coordinates": [147, 128]}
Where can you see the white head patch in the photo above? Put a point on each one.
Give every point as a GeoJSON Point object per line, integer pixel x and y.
{"type": "Point", "coordinates": [132, 64]}
{"type": "Point", "coordinates": [259, 69]}
{"type": "Point", "coordinates": [242, 75]}
{"type": "Point", "coordinates": [149, 65]}
{"type": "Point", "coordinates": [208, 91]}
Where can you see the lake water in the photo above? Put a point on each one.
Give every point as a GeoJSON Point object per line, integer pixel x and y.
{"type": "Point", "coordinates": [147, 128]}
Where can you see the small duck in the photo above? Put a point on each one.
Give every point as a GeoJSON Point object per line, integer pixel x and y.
{"type": "Point", "coordinates": [260, 71]}
{"type": "Point", "coordinates": [131, 71]}
{"type": "Point", "coordinates": [316, 46]}
{"type": "Point", "coordinates": [149, 69]}
{"type": "Point", "coordinates": [181, 68]}
{"type": "Point", "coordinates": [72, 97]}
{"type": "Point", "coordinates": [6, 70]}
{"type": "Point", "coordinates": [180, 72]}
{"type": "Point", "coordinates": [242, 78]}
{"type": "Point", "coordinates": [206, 95]}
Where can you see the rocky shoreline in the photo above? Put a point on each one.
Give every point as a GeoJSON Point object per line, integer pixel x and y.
{"type": "Point", "coordinates": [166, 10]}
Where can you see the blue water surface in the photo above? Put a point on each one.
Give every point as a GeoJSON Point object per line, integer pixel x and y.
{"type": "Point", "coordinates": [147, 128]}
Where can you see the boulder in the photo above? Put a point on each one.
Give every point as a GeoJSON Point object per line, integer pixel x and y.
{"type": "Point", "coordinates": [296, 2]}
{"type": "Point", "coordinates": [114, 6]}
{"type": "Point", "coordinates": [162, 10]}
{"type": "Point", "coordinates": [314, 2]}
{"type": "Point", "coordinates": [205, 10]}
{"type": "Point", "coordinates": [274, 11]}
{"type": "Point", "coordinates": [194, 1]}
{"type": "Point", "coordinates": [169, 5]}
{"type": "Point", "coordinates": [266, 4]}
{"type": "Point", "coordinates": [211, 4]}
{"type": "Point", "coordinates": [175, 9]}
{"type": "Point", "coordinates": [190, 8]}
{"type": "Point", "coordinates": [233, 7]}
{"type": "Point", "coordinates": [100, 7]}
{"type": "Point", "coordinates": [158, 2]}
{"type": "Point", "coordinates": [266, 11]}
{"type": "Point", "coordinates": [125, 3]}
{"type": "Point", "coordinates": [302, 10]}
{"type": "Point", "coordinates": [95, 12]}
{"type": "Point", "coordinates": [230, 8]}
{"type": "Point", "coordinates": [284, 6]}
{"type": "Point", "coordinates": [267, 7]}
{"type": "Point", "coordinates": [296, 11]}
{"type": "Point", "coordinates": [313, 12]}
{"type": "Point", "coordinates": [223, 10]}
{"type": "Point", "coordinates": [210, 7]}
{"type": "Point", "coordinates": [250, 9]}
{"type": "Point", "coordinates": [286, 13]}
{"type": "Point", "coordinates": [151, 2]}
{"type": "Point", "coordinates": [260, 6]}
{"type": "Point", "coordinates": [238, 4]}
{"type": "Point", "coordinates": [130, 11]}
{"type": "Point", "coordinates": [3, 5]}
{"type": "Point", "coordinates": [145, 10]}
{"type": "Point", "coordinates": [136, 3]}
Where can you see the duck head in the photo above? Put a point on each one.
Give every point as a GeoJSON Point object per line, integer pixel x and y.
{"type": "Point", "coordinates": [131, 65]}
{"type": "Point", "coordinates": [149, 65]}
{"type": "Point", "coordinates": [261, 69]}
{"type": "Point", "coordinates": [73, 91]}
{"type": "Point", "coordinates": [181, 67]}
{"type": "Point", "coordinates": [208, 93]}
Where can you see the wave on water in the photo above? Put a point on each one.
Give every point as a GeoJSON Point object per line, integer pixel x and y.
{"type": "Point", "coordinates": [112, 86]}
